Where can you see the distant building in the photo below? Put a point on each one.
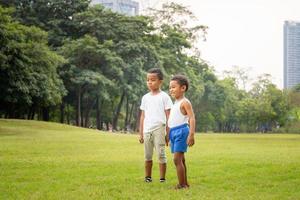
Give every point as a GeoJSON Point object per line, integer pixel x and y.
{"type": "Point", "coordinates": [127, 7]}
{"type": "Point", "coordinates": [291, 54]}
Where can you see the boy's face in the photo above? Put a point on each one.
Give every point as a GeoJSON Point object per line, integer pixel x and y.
{"type": "Point", "coordinates": [176, 91]}
{"type": "Point", "coordinates": [153, 82]}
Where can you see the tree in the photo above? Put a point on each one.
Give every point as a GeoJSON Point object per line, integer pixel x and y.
{"type": "Point", "coordinates": [53, 16]}
{"type": "Point", "coordinates": [28, 75]}
{"type": "Point", "coordinates": [272, 103]}
{"type": "Point", "coordinates": [132, 43]}
{"type": "Point", "coordinates": [239, 75]}
{"type": "Point", "coordinates": [91, 72]}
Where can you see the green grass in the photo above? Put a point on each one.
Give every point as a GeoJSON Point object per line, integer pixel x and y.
{"type": "Point", "coordinates": [41, 160]}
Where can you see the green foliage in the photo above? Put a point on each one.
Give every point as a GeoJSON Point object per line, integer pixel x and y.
{"type": "Point", "coordinates": [53, 16]}
{"type": "Point", "coordinates": [28, 67]}
{"type": "Point", "coordinates": [96, 73]}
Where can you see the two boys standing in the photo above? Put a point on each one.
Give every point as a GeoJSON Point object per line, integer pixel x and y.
{"type": "Point", "coordinates": [162, 121]}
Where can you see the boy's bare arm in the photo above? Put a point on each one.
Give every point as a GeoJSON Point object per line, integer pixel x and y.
{"type": "Point", "coordinates": [190, 113]}
{"type": "Point", "coordinates": [142, 117]}
{"type": "Point", "coordinates": [167, 127]}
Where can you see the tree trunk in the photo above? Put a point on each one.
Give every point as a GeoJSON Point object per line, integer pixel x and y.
{"type": "Point", "coordinates": [220, 127]}
{"type": "Point", "coordinates": [62, 112]}
{"type": "Point", "coordinates": [45, 111]}
{"type": "Point", "coordinates": [29, 113]}
{"type": "Point", "coordinates": [39, 113]}
{"type": "Point", "coordinates": [137, 120]}
{"type": "Point", "coordinates": [107, 126]}
{"type": "Point", "coordinates": [117, 112]}
{"type": "Point", "coordinates": [10, 113]}
{"type": "Point", "coordinates": [126, 115]}
{"type": "Point", "coordinates": [88, 111]}
{"type": "Point", "coordinates": [68, 114]}
{"type": "Point", "coordinates": [101, 123]}
{"type": "Point", "coordinates": [32, 113]}
{"type": "Point", "coordinates": [98, 114]}
{"type": "Point", "coordinates": [131, 113]}
{"type": "Point", "coordinates": [81, 114]}
{"type": "Point", "coordinates": [6, 114]}
{"type": "Point", "coordinates": [78, 112]}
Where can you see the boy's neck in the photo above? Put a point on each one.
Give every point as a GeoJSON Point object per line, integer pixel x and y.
{"type": "Point", "coordinates": [179, 97]}
{"type": "Point", "coordinates": [155, 91]}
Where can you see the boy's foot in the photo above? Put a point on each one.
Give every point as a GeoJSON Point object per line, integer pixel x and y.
{"type": "Point", "coordinates": [148, 179]}
{"type": "Point", "coordinates": [178, 187]}
{"type": "Point", "coordinates": [162, 180]}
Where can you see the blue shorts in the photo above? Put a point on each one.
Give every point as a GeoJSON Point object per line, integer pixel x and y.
{"type": "Point", "coordinates": [178, 138]}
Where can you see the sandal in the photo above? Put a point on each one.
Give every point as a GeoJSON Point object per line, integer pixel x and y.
{"type": "Point", "coordinates": [162, 180]}
{"type": "Point", "coordinates": [148, 179]}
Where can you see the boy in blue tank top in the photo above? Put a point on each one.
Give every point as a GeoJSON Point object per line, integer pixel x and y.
{"type": "Point", "coordinates": [182, 127]}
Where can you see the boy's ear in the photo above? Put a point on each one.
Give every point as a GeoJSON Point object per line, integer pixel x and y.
{"type": "Point", "coordinates": [184, 87]}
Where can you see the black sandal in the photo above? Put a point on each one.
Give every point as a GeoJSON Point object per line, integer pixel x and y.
{"type": "Point", "coordinates": [148, 179]}
{"type": "Point", "coordinates": [162, 180]}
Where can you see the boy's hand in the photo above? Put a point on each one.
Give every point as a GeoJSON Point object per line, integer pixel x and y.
{"type": "Point", "coordinates": [191, 140]}
{"type": "Point", "coordinates": [141, 139]}
{"type": "Point", "coordinates": [167, 140]}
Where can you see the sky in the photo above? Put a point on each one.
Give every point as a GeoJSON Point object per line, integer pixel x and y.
{"type": "Point", "coordinates": [244, 33]}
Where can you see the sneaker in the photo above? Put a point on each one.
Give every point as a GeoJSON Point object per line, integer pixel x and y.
{"type": "Point", "coordinates": [162, 180]}
{"type": "Point", "coordinates": [148, 179]}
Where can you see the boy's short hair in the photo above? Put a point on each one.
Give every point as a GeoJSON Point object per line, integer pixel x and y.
{"type": "Point", "coordinates": [158, 72]}
{"type": "Point", "coordinates": [181, 80]}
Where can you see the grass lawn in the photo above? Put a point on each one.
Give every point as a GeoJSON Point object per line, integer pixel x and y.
{"type": "Point", "coordinates": [40, 160]}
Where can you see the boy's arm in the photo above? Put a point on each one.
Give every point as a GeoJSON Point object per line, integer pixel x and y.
{"type": "Point", "coordinates": [190, 113]}
{"type": "Point", "coordinates": [167, 127]}
{"type": "Point", "coordinates": [142, 117]}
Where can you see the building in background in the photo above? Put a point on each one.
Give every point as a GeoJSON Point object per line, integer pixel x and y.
{"type": "Point", "coordinates": [127, 7]}
{"type": "Point", "coordinates": [291, 54]}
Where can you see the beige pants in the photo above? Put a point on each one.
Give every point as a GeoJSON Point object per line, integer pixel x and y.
{"type": "Point", "coordinates": [155, 139]}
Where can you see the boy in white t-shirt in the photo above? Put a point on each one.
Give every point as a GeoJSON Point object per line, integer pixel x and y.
{"type": "Point", "coordinates": [155, 110]}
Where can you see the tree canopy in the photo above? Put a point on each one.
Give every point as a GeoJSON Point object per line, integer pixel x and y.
{"type": "Point", "coordinates": [75, 63]}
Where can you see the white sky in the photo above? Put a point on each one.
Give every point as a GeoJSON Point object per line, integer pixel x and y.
{"type": "Point", "coordinates": [246, 33]}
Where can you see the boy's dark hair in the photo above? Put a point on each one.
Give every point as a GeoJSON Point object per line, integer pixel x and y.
{"type": "Point", "coordinates": [156, 71]}
{"type": "Point", "coordinates": [181, 80]}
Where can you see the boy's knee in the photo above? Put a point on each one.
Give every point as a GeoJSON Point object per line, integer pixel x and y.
{"type": "Point", "coordinates": [162, 159]}
{"type": "Point", "coordinates": [162, 154]}
{"type": "Point", "coordinates": [148, 157]}
{"type": "Point", "coordinates": [176, 161]}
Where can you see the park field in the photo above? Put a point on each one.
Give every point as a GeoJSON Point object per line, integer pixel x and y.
{"type": "Point", "coordinates": [40, 160]}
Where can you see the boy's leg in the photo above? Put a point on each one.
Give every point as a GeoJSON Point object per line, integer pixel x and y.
{"type": "Point", "coordinates": [185, 171]}
{"type": "Point", "coordinates": [162, 170]}
{"type": "Point", "coordinates": [148, 143]}
{"type": "Point", "coordinates": [148, 168]}
{"type": "Point", "coordinates": [160, 143]}
{"type": "Point", "coordinates": [179, 147]}
{"type": "Point", "coordinates": [180, 168]}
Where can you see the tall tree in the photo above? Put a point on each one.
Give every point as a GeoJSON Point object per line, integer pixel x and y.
{"type": "Point", "coordinates": [91, 72]}
{"type": "Point", "coordinates": [28, 75]}
{"type": "Point", "coordinates": [53, 16]}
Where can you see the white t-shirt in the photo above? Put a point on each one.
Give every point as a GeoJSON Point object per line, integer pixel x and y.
{"type": "Point", "coordinates": [154, 107]}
